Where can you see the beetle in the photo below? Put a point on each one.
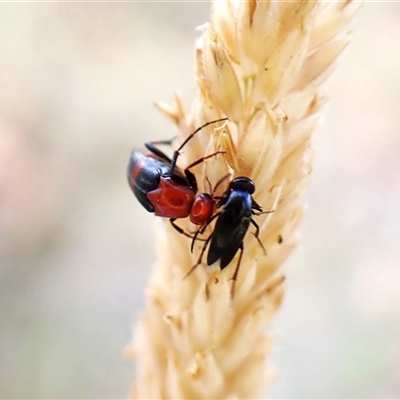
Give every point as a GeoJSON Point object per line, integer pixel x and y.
{"type": "Point", "coordinates": [232, 223]}
{"type": "Point", "coordinates": [164, 189]}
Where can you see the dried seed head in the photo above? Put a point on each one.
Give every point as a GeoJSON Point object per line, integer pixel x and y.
{"type": "Point", "coordinates": [262, 64]}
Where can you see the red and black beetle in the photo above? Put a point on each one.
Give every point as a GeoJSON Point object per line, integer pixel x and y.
{"type": "Point", "coordinates": [161, 187]}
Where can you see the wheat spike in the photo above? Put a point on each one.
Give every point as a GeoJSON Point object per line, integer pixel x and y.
{"type": "Point", "coordinates": [262, 64]}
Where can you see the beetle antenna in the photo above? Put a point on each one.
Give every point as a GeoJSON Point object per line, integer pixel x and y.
{"type": "Point", "coordinates": [176, 152]}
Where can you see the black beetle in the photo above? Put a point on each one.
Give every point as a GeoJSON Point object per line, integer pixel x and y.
{"type": "Point", "coordinates": [233, 221]}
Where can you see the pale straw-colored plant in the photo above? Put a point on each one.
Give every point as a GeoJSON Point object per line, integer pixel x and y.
{"type": "Point", "coordinates": [263, 65]}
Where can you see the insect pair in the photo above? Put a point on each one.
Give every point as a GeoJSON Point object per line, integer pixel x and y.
{"type": "Point", "coordinates": [161, 187]}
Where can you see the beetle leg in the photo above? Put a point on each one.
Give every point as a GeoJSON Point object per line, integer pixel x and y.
{"type": "Point", "coordinates": [183, 232]}
{"type": "Point", "coordinates": [262, 212]}
{"type": "Point", "coordinates": [219, 182]}
{"type": "Point", "coordinates": [256, 206]}
{"type": "Point", "coordinates": [201, 230]}
{"type": "Point", "coordinates": [190, 176]}
{"type": "Point", "coordinates": [235, 274]}
{"type": "Point", "coordinates": [191, 179]}
{"type": "Point", "coordinates": [200, 258]}
{"type": "Point", "coordinates": [256, 234]}
{"type": "Point", "coordinates": [151, 147]}
{"type": "Point", "coordinates": [198, 130]}
{"type": "Point", "coordinates": [202, 159]}
{"type": "Point", "coordinates": [176, 152]}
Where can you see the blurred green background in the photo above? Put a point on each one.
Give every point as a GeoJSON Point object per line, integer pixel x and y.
{"type": "Point", "coordinates": [77, 81]}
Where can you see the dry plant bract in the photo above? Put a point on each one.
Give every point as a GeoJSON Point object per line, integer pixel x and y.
{"type": "Point", "coordinates": [263, 65]}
